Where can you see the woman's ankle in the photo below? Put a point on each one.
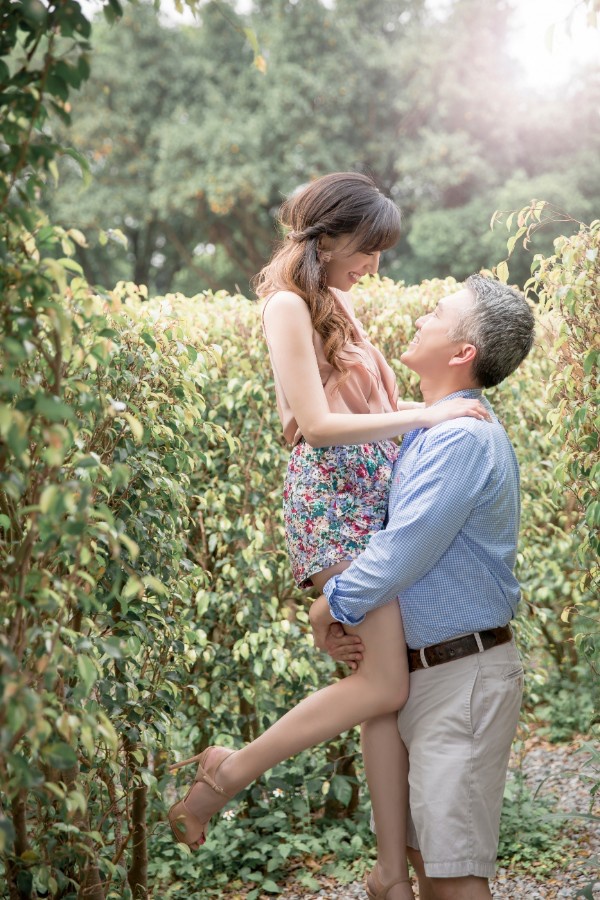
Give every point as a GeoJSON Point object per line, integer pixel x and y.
{"type": "Point", "coordinates": [387, 874]}
{"type": "Point", "coordinates": [227, 776]}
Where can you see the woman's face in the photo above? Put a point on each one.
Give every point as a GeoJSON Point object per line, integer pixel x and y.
{"type": "Point", "coordinates": [345, 267]}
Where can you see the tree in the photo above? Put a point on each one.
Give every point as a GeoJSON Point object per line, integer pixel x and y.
{"type": "Point", "coordinates": [193, 147]}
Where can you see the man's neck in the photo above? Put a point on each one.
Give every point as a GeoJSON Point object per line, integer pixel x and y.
{"type": "Point", "coordinates": [435, 391]}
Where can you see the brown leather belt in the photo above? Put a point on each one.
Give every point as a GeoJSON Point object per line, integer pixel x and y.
{"type": "Point", "coordinates": [458, 647]}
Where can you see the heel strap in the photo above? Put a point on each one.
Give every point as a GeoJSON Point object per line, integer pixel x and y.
{"type": "Point", "coordinates": [384, 890]}
{"type": "Point", "coordinates": [381, 892]}
{"type": "Point", "coordinates": [213, 784]}
{"type": "Point", "coordinates": [203, 775]}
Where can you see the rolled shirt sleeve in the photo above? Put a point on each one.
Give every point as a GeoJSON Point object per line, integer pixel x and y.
{"type": "Point", "coordinates": [436, 487]}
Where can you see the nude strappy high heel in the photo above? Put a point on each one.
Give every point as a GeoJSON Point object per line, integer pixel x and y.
{"type": "Point", "coordinates": [376, 890]}
{"type": "Point", "coordinates": [190, 828]}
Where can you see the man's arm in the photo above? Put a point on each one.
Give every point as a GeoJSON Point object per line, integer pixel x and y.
{"type": "Point", "coordinates": [443, 486]}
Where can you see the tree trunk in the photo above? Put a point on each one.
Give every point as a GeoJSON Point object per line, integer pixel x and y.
{"type": "Point", "coordinates": [137, 874]}
{"type": "Point", "coordinates": [91, 887]}
{"type": "Point", "coordinates": [88, 873]}
{"type": "Point", "coordinates": [17, 889]}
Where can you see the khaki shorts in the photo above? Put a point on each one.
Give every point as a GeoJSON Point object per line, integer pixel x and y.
{"type": "Point", "coordinates": [458, 725]}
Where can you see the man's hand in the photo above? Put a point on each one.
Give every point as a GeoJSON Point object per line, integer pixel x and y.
{"type": "Point", "coordinates": [331, 637]}
{"type": "Point", "coordinates": [343, 647]}
{"type": "Point", "coordinates": [320, 620]}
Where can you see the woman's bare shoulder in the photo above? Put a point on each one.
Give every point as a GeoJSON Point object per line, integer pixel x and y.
{"type": "Point", "coordinates": [285, 303]}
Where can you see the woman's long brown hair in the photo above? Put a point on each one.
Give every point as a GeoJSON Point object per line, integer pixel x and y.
{"type": "Point", "coordinates": [343, 203]}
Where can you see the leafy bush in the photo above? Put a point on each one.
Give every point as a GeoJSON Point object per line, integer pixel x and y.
{"type": "Point", "coordinates": [97, 585]}
{"type": "Point", "coordinates": [146, 600]}
{"type": "Point", "coordinates": [148, 606]}
{"type": "Point", "coordinates": [566, 286]}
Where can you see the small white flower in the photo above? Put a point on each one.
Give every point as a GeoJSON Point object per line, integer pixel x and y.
{"type": "Point", "coordinates": [229, 814]}
{"type": "Point", "coordinates": [278, 792]}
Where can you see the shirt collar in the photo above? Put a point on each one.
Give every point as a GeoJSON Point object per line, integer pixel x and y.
{"type": "Point", "coordinates": [469, 393]}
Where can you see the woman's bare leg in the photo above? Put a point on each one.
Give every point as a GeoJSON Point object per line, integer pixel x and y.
{"type": "Point", "coordinates": [375, 691]}
{"type": "Point", "coordinates": [378, 686]}
{"type": "Point", "coordinates": [386, 768]}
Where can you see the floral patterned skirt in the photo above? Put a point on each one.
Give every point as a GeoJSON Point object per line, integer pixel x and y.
{"type": "Point", "coordinates": [334, 499]}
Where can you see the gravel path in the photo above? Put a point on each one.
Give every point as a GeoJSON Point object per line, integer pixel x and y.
{"type": "Point", "coordinates": [560, 772]}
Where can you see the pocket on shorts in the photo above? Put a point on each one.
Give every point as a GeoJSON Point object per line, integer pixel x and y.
{"type": "Point", "coordinates": [515, 673]}
{"type": "Point", "coordinates": [476, 706]}
{"type": "Point", "coordinates": [494, 691]}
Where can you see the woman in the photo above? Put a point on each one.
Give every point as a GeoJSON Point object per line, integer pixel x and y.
{"type": "Point", "coordinates": [337, 399]}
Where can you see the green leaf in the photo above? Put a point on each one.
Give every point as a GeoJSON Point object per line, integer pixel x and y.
{"type": "Point", "coordinates": [50, 496]}
{"type": "Point", "coordinates": [590, 361]}
{"type": "Point", "coordinates": [70, 265]}
{"type": "Point", "coordinates": [53, 409]}
{"type": "Point", "coordinates": [109, 333]}
{"type": "Point", "coordinates": [132, 588]}
{"type": "Point", "coordinates": [137, 429]}
{"type": "Point", "coordinates": [59, 755]}
{"type": "Point", "coordinates": [84, 165]}
{"type": "Point", "coordinates": [341, 789]}
{"type": "Point", "coordinates": [252, 40]}
{"type": "Point", "coordinates": [117, 236]}
{"type": "Point", "coordinates": [310, 882]}
{"type": "Point", "coordinates": [502, 271]}
{"type": "Point", "coordinates": [56, 86]}
{"type": "Point", "coordinates": [148, 338]}
{"type": "Point", "coordinates": [131, 546]}
{"type": "Point", "coordinates": [154, 584]}
{"type": "Point", "coordinates": [83, 67]}
{"type": "Point", "coordinates": [34, 12]}
{"type": "Point", "coordinates": [87, 671]}
{"type": "Point", "coordinates": [86, 462]}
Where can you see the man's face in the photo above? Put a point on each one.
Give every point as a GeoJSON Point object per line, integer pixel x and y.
{"type": "Point", "coordinates": [430, 350]}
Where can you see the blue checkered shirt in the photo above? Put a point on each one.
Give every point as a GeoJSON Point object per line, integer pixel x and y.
{"type": "Point", "coordinates": [448, 550]}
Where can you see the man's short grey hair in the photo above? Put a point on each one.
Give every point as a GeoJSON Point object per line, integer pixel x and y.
{"type": "Point", "coordinates": [500, 325]}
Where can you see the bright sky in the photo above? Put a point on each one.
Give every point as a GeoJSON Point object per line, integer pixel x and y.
{"type": "Point", "coordinates": [549, 61]}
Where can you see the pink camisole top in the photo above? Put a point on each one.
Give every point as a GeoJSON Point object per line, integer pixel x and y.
{"type": "Point", "coordinates": [370, 386]}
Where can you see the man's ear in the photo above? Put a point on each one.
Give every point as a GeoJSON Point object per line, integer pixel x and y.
{"type": "Point", "coordinates": [464, 355]}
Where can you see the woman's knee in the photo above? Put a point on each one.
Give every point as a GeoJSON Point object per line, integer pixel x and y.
{"type": "Point", "coordinates": [395, 695]}
{"type": "Point", "coordinates": [388, 687]}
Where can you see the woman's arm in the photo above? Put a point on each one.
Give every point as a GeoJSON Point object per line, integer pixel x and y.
{"type": "Point", "coordinates": [289, 329]}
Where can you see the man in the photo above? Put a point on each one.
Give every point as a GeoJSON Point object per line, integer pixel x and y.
{"type": "Point", "coordinates": [447, 554]}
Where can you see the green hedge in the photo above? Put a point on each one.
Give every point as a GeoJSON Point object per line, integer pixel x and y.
{"type": "Point", "coordinates": [147, 603]}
